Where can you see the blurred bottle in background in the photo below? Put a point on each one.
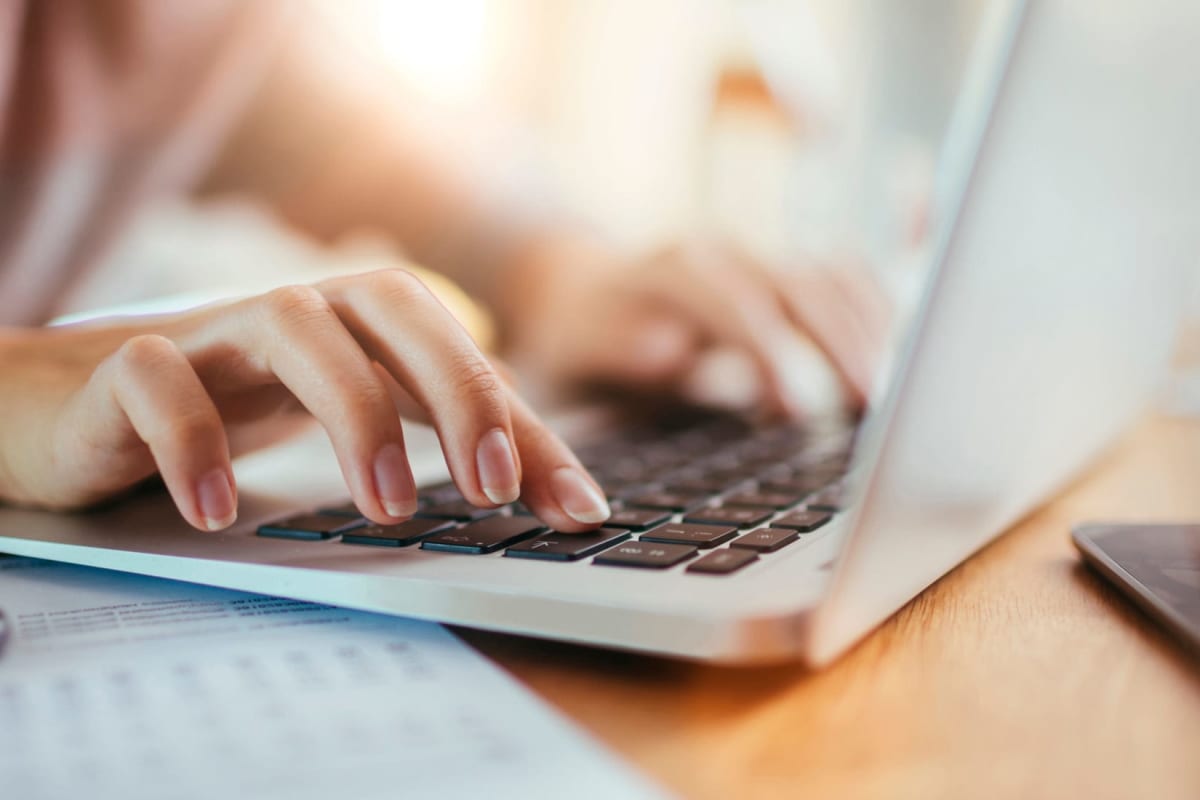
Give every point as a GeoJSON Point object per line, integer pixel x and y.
{"type": "Point", "coordinates": [875, 83]}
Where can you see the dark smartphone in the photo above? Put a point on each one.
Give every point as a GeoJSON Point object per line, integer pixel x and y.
{"type": "Point", "coordinates": [1155, 566]}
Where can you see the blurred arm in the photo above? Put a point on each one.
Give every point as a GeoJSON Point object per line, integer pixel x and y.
{"type": "Point", "coordinates": [333, 143]}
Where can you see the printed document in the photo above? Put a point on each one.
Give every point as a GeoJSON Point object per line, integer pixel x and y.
{"type": "Point", "coordinates": [124, 687]}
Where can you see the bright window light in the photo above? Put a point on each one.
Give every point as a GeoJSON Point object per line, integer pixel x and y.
{"type": "Point", "coordinates": [442, 47]}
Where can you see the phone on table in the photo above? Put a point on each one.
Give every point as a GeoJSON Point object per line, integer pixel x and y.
{"type": "Point", "coordinates": [1155, 566]}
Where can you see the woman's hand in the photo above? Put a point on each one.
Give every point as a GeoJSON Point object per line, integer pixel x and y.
{"type": "Point", "coordinates": [581, 316]}
{"type": "Point", "coordinates": [87, 412]}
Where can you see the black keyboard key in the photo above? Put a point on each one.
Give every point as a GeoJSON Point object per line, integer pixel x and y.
{"type": "Point", "coordinates": [311, 527]}
{"type": "Point", "coordinates": [485, 536]}
{"type": "Point", "coordinates": [556, 546]}
{"type": "Point", "coordinates": [647, 555]}
{"type": "Point", "coordinates": [740, 517]}
{"type": "Point", "coordinates": [402, 535]}
{"type": "Point", "coordinates": [776, 500]}
{"type": "Point", "coordinates": [704, 536]}
{"type": "Point", "coordinates": [766, 540]}
{"type": "Point", "coordinates": [668, 501]}
{"type": "Point", "coordinates": [803, 521]}
{"type": "Point", "coordinates": [723, 561]}
{"type": "Point", "coordinates": [458, 510]}
{"type": "Point", "coordinates": [637, 519]}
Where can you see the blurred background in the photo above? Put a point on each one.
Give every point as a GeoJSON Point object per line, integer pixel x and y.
{"type": "Point", "coordinates": [782, 124]}
{"type": "Point", "coordinates": [793, 127]}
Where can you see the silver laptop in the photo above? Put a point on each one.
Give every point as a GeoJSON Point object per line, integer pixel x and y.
{"type": "Point", "coordinates": [1070, 225]}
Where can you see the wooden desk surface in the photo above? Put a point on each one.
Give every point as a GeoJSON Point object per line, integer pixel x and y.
{"type": "Point", "coordinates": [1019, 674]}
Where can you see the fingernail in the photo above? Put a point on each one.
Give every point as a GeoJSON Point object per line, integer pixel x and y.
{"type": "Point", "coordinates": [582, 501]}
{"type": "Point", "coordinates": [497, 468]}
{"type": "Point", "coordinates": [214, 493]}
{"type": "Point", "coordinates": [394, 482]}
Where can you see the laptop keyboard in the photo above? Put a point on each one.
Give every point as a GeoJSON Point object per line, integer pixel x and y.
{"type": "Point", "coordinates": [716, 494]}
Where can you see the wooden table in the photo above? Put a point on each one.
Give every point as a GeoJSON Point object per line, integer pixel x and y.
{"type": "Point", "coordinates": [1018, 675]}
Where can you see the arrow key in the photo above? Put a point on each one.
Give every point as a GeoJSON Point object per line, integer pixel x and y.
{"type": "Point", "coordinates": [485, 536]}
{"type": "Point", "coordinates": [556, 546]}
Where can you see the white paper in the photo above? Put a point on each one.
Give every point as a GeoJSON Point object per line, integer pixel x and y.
{"type": "Point", "coordinates": [117, 686]}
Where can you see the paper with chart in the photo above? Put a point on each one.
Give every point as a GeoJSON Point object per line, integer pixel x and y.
{"type": "Point", "coordinates": [117, 686]}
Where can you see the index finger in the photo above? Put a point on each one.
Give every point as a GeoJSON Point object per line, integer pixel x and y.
{"type": "Point", "coordinates": [405, 328]}
{"type": "Point", "coordinates": [486, 433]}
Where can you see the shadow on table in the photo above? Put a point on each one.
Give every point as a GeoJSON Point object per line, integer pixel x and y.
{"type": "Point", "coordinates": [1145, 628]}
{"type": "Point", "coordinates": [536, 659]}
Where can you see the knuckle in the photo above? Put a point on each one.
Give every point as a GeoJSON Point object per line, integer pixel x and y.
{"type": "Point", "coordinates": [190, 430]}
{"type": "Point", "coordinates": [397, 287]}
{"type": "Point", "coordinates": [298, 304]}
{"type": "Point", "coordinates": [145, 352]}
{"type": "Point", "coordinates": [475, 380]}
{"type": "Point", "coordinates": [365, 396]}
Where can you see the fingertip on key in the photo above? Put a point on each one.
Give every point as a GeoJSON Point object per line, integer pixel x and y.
{"type": "Point", "coordinates": [496, 463]}
{"type": "Point", "coordinates": [215, 497]}
{"type": "Point", "coordinates": [579, 497]}
{"type": "Point", "coordinates": [394, 485]}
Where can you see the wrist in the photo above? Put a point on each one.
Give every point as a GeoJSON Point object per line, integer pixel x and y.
{"type": "Point", "coordinates": [12, 343]}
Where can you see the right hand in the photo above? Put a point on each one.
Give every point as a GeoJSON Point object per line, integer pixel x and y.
{"type": "Point", "coordinates": [583, 316]}
{"type": "Point", "coordinates": [90, 411]}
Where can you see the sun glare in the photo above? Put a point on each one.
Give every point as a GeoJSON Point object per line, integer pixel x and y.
{"type": "Point", "coordinates": [442, 47]}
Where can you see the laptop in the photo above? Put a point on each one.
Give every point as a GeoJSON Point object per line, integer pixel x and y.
{"type": "Point", "coordinates": [1069, 226]}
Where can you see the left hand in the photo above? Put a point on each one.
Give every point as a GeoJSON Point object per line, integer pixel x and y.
{"type": "Point", "coordinates": [587, 318]}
